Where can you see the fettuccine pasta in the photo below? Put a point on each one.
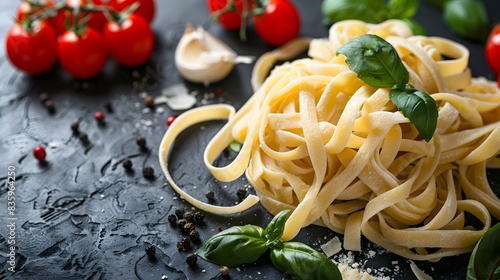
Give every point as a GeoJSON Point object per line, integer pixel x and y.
{"type": "Point", "coordinates": [336, 151]}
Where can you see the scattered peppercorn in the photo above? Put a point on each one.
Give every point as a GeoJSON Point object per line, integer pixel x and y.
{"type": "Point", "coordinates": [220, 228]}
{"type": "Point", "coordinates": [83, 137]}
{"type": "Point", "coordinates": [43, 97]}
{"type": "Point", "coordinates": [191, 259]}
{"type": "Point", "coordinates": [127, 164]}
{"type": "Point", "coordinates": [180, 245]}
{"type": "Point", "coordinates": [39, 153]}
{"type": "Point", "coordinates": [241, 193]}
{"type": "Point", "coordinates": [194, 235]}
{"type": "Point", "coordinates": [75, 126]}
{"type": "Point", "coordinates": [224, 270]}
{"type": "Point", "coordinates": [49, 105]}
{"type": "Point", "coordinates": [170, 120]}
{"type": "Point", "coordinates": [188, 216]}
{"type": "Point", "coordinates": [172, 219]}
{"type": "Point", "coordinates": [188, 227]}
{"type": "Point", "coordinates": [186, 243]}
{"type": "Point", "coordinates": [210, 195]}
{"type": "Point", "coordinates": [150, 251]}
{"type": "Point", "coordinates": [181, 223]}
{"type": "Point", "coordinates": [198, 217]}
{"type": "Point", "coordinates": [108, 107]}
{"type": "Point", "coordinates": [149, 101]}
{"type": "Point", "coordinates": [179, 213]}
{"type": "Point", "coordinates": [219, 91]}
{"type": "Point", "coordinates": [148, 172]}
{"type": "Point", "coordinates": [99, 116]}
{"type": "Point", "coordinates": [141, 142]}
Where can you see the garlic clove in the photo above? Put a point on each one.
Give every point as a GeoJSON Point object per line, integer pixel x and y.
{"type": "Point", "coordinates": [202, 58]}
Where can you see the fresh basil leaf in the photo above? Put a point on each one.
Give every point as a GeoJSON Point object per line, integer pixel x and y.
{"type": "Point", "coordinates": [415, 27]}
{"type": "Point", "coordinates": [275, 228]}
{"type": "Point", "coordinates": [372, 11]}
{"type": "Point", "coordinates": [235, 146]}
{"type": "Point", "coordinates": [375, 61]}
{"type": "Point", "coordinates": [485, 259]}
{"type": "Point", "coordinates": [419, 107]}
{"type": "Point", "coordinates": [402, 8]}
{"type": "Point", "coordinates": [303, 262]}
{"type": "Point", "coordinates": [467, 19]}
{"type": "Point", "coordinates": [234, 246]}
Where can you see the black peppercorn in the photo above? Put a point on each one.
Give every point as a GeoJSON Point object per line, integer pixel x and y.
{"type": "Point", "coordinates": [149, 101]}
{"type": "Point", "coordinates": [194, 235]}
{"type": "Point", "coordinates": [179, 213]}
{"type": "Point", "coordinates": [108, 107]}
{"type": "Point", "coordinates": [188, 216]}
{"type": "Point", "coordinates": [141, 142]}
{"type": "Point", "coordinates": [188, 227]}
{"type": "Point", "coordinates": [83, 137]}
{"type": "Point", "coordinates": [186, 243]}
{"type": "Point", "coordinates": [181, 223]}
{"type": "Point", "coordinates": [172, 219]}
{"type": "Point", "coordinates": [150, 251]}
{"type": "Point", "coordinates": [241, 193]}
{"type": "Point", "coordinates": [224, 270]}
{"type": "Point", "coordinates": [191, 259]}
{"type": "Point", "coordinates": [210, 195]}
{"type": "Point", "coordinates": [75, 126]}
{"type": "Point", "coordinates": [198, 217]}
{"type": "Point", "coordinates": [43, 97]}
{"type": "Point", "coordinates": [49, 105]}
{"type": "Point", "coordinates": [127, 164]}
{"type": "Point", "coordinates": [148, 172]}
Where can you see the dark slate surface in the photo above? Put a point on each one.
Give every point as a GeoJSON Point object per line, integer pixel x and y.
{"type": "Point", "coordinates": [82, 216]}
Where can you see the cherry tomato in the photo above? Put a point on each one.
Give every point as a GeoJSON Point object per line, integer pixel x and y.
{"type": "Point", "coordinates": [230, 19]}
{"type": "Point", "coordinates": [279, 23]}
{"type": "Point", "coordinates": [96, 21]}
{"type": "Point", "coordinates": [131, 42]}
{"type": "Point", "coordinates": [493, 49]}
{"type": "Point", "coordinates": [34, 51]}
{"type": "Point", "coordinates": [146, 8]}
{"type": "Point", "coordinates": [82, 55]}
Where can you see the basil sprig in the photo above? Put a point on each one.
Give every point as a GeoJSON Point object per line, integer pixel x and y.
{"type": "Point", "coordinates": [484, 263]}
{"type": "Point", "coordinates": [245, 244]}
{"type": "Point", "coordinates": [378, 64]}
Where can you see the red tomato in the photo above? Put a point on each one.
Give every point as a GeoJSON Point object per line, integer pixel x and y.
{"type": "Point", "coordinates": [279, 23]}
{"type": "Point", "coordinates": [32, 52]}
{"type": "Point", "coordinates": [230, 19]}
{"type": "Point", "coordinates": [82, 55]}
{"type": "Point", "coordinates": [131, 42]}
{"type": "Point", "coordinates": [493, 49]}
{"type": "Point", "coordinates": [97, 20]}
{"type": "Point", "coordinates": [146, 8]}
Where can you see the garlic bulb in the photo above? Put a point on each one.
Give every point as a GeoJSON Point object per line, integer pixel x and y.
{"type": "Point", "coordinates": [202, 58]}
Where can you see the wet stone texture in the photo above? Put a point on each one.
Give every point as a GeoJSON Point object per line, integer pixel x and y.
{"type": "Point", "coordinates": [82, 215]}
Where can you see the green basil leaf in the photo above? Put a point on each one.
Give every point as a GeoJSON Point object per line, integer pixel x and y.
{"type": "Point", "coordinates": [234, 246]}
{"type": "Point", "coordinates": [415, 27]}
{"type": "Point", "coordinates": [485, 259]}
{"type": "Point", "coordinates": [419, 107]}
{"type": "Point", "coordinates": [235, 146]}
{"type": "Point", "coordinates": [372, 11]}
{"type": "Point", "coordinates": [303, 262]}
{"type": "Point", "coordinates": [402, 8]}
{"type": "Point", "coordinates": [275, 228]}
{"type": "Point", "coordinates": [438, 3]}
{"type": "Point", "coordinates": [375, 61]}
{"type": "Point", "coordinates": [467, 19]}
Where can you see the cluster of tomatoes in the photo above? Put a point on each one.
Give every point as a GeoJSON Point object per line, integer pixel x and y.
{"type": "Point", "coordinates": [492, 51]}
{"type": "Point", "coordinates": [80, 34]}
{"type": "Point", "coordinates": [276, 22]}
